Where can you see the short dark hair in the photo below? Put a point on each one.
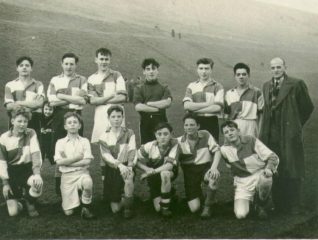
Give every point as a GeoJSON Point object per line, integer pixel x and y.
{"type": "Point", "coordinates": [72, 114]}
{"type": "Point", "coordinates": [46, 103]}
{"type": "Point", "coordinates": [229, 123]}
{"type": "Point", "coordinates": [190, 115]}
{"type": "Point", "coordinates": [70, 55]}
{"type": "Point", "coordinates": [21, 59]}
{"type": "Point", "coordinates": [103, 51]}
{"type": "Point", "coordinates": [241, 66]}
{"type": "Point", "coordinates": [25, 112]}
{"type": "Point", "coordinates": [205, 61]}
{"type": "Point", "coordinates": [149, 61]}
{"type": "Point", "coordinates": [115, 108]}
{"type": "Point", "coordinates": [163, 125]}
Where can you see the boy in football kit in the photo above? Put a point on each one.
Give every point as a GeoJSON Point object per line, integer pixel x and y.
{"type": "Point", "coordinates": [25, 91]}
{"type": "Point", "coordinates": [105, 88]}
{"type": "Point", "coordinates": [151, 100]}
{"type": "Point", "coordinates": [118, 150]}
{"type": "Point", "coordinates": [244, 102]}
{"type": "Point", "coordinates": [20, 164]}
{"type": "Point", "coordinates": [199, 159]}
{"type": "Point", "coordinates": [253, 166]}
{"type": "Point", "coordinates": [73, 156]}
{"type": "Point", "coordinates": [158, 160]}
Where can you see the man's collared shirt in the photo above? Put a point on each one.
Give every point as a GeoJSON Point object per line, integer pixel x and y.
{"type": "Point", "coordinates": [203, 151]}
{"type": "Point", "coordinates": [198, 92]}
{"type": "Point", "coordinates": [150, 155]}
{"type": "Point", "coordinates": [69, 86]}
{"type": "Point", "coordinates": [72, 147]}
{"type": "Point", "coordinates": [16, 91]}
{"type": "Point", "coordinates": [244, 106]}
{"type": "Point", "coordinates": [250, 157]}
{"type": "Point", "coordinates": [121, 147]}
{"type": "Point", "coordinates": [16, 150]}
{"type": "Point", "coordinates": [103, 86]}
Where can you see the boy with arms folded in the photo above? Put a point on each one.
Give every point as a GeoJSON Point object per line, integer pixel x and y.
{"type": "Point", "coordinates": [118, 150]}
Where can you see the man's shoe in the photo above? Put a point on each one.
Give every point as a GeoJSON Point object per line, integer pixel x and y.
{"type": "Point", "coordinates": [165, 212]}
{"type": "Point", "coordinates": [86, 213]}
{"type": "Point", "coordinates": [206, 213]}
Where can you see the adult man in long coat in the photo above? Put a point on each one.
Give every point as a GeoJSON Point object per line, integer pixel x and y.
{"type": "Point", "coordinates": [287, 108]}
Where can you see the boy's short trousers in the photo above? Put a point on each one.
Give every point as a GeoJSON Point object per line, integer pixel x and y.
{"type": "Point", "coordinates": [113, 184]}
{"type": "Point", "coordinates": [71, 183]}
{"type": "Point", "coordinates": [245, 187]}
{"type": "Point", "coordinates": [193, 178]}
{"type": "Point", "coordinates": [154, 183]}
{"type": "Point", "coordinates": [18, 179]}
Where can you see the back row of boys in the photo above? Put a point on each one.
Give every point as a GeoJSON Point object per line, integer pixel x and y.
{"type": "Point", "coordinates": [249, 159]}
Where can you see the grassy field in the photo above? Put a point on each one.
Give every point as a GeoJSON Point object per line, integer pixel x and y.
{"type": "Point", "coordinates": [55, 34]}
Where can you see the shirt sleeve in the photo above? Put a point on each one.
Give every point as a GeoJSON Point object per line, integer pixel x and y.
{"type": "Point", "coordinates": [51, 92]}
{"type": "Point", "coordinates": [91, 90]}
{"type": "Point", "coordinates": [58, 150]}
{"type": "Point", "coordinates": [138, 97]}
{"type": "Point", "coordinates": [36, 156]}
{"type": "Point", "coordinates": [219, 97]}
{"type": "Point", "coordinates": [40, 89]}
{"type": "Point", "coordinates": [166, 93]}
{"type": "Point", "coordinates": [3, 160]}
{"type": "Point", "coordinates": [266, 155]}
{"type": "Point", "coordinates": [188, 95]}
{"type": "Point", "coordinates": [87, 150]}
{"type": "Point", "coordinates": [173, 155]}
{"type": "Point", "coordinates": [121, 85]}
{"type": "Point", "coordinates": [143, 153]}
{"type": "Point", "coordinates": [8, 96]}
{"type": "Point", "coordinates": [213, 146]}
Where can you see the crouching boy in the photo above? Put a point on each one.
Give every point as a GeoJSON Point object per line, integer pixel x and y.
{"type": "Point", "coordinates": [252, 165]}
{"type": "Point", "coordinates": [199, 159]}
{"type": "Point", "coordinates": [73, 156]}
{"type": "Point", "coordinates": [118, 150]}
{"type": "Point", "coordinates": [20, 164]}
{"type": "Point", "coordinates": [158, 161]}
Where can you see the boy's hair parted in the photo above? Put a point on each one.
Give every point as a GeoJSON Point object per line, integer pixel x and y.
{"type": "Point", "coordinates": [149, 61]}
{"type": "Point", "coordinates": [115, 108]}
{"type": "Point", "coordinates": [73, 114]}
{"type": "Point", "coordinates": [103, 51]}
{"type": "Point", "coordinates": [21, 59]}
{"type": "Point", "coordinates": [25, 112]}
{"type": "Point", "coordinates": [205, 61]}
{"type": "Point", "coordinates": [241, 65]}
{"type": "Point", "coordinates": [229, 123]}
{"type": "Point", "coordinates": [70, 55]}
{"type": "Point", "coordinates": [163, 125]}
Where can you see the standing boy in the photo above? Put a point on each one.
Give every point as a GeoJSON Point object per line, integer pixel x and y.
{"type": "Point", "coordinates": [244, 102]}
{"type": "Point", "coordinates": [118, 150]}
{"type": "Point", "coordinates": [205, 97]}
{"type": "Point", "coordinates": [20, 164]}
{"type": "Point", "coordinates": [158, 160]}
{"type": "Point", "coordinates": [199, 159]}
{"type": "Point", "coordinates": [151, 100]}
{"type": "Point", "coordinates": [26, 92]}
{"type": "Point", "coordinates": [73, 156]}
{"type": "Point", "coordinates": [66, 92]}
{"type": "Point", "coordinates": [252, 165]}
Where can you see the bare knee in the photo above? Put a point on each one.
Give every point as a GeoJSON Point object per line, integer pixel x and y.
{"type": "Point", "coordinates": [241, 208]}
{"type": "Point", "coordinates": [194, 205]}
{"type": "Point", "coordinates": [68, 212]}
{"type": "Point", "coordinates": [87, 183]}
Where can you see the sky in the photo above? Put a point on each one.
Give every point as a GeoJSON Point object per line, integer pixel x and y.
{"type": "Point", "coordinates": [305, 5]}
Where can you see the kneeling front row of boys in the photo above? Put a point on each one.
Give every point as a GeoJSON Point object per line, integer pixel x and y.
{"type": "Point", "coordinates": [196, 151]}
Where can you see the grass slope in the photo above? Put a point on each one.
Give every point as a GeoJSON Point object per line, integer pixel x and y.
{"type": "Point", "coordinates": [57, 33]}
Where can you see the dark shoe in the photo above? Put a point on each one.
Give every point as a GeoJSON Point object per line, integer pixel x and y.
{"type": "Point", "coordinates": [87, 214]}
{"type": "Point", "coordinates": [261, 213]}
{"type": "Point", "coordinates": [32, 212]}
{"type": "Point", "coordinates": [128, 213]}
{"type": "Point", "coordinates": [206, 213]}
{"type": "Point", "coordinates": [165, 212]}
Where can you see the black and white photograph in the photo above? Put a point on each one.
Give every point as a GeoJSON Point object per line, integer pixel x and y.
{"type": "Point", "coordinates": [168, 119]}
